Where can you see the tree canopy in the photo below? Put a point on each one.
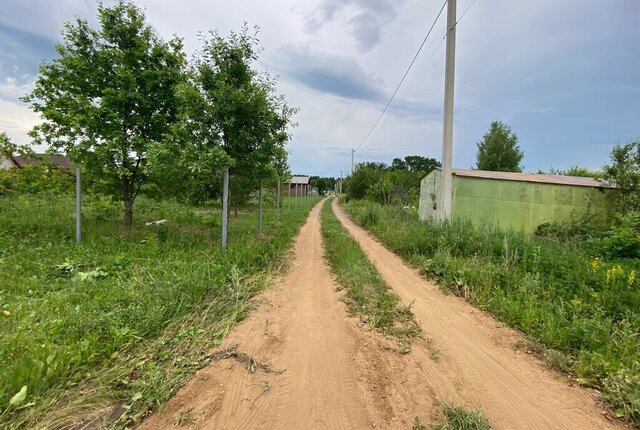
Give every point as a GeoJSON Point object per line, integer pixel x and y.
{"type": "Point", "coordinates": [398, 183]}
{"type": "Point", "coordinates": [624, 172]}
{"type": "Point", "coordinates": [109, 95]}
{"type": "Point", "coordinates": [132, 111]}
{"type": "Point", "coordinates": [498, 150]}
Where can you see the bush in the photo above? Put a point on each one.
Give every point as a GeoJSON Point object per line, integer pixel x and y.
{"type": "Point", "coordinates": [623, 240]}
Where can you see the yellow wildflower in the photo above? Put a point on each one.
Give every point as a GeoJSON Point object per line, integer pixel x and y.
{"type": "Point", "coordinates": [632, 277]}
{"type": "Point", "coordinates": [614, 273]}
{"type": "Point", "coordinates": [595, 264]}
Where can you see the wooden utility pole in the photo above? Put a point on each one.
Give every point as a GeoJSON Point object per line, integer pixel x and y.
{"type": "Point", "coordinates": [447, 129]}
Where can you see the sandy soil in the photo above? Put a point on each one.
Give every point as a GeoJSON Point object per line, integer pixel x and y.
{"type": "Point", "coordinates": [326, 372]}
{"type": "Point", "coordinates": [305, 364]}
{"type": "Point", "coordinates": [515, 390]}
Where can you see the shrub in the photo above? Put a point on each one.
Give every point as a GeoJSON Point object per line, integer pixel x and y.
{"type": "Point", "coordinates": [623, 240]}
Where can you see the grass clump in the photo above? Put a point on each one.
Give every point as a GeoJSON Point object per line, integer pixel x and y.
{"type": "Point", "coordinates": [104, 332]}
{"type": "Point", "coordinates": [582, 307]}
{"type": "Point", "coordinates": [366, 293]}
{"type": "Point", "coordinates": [457, 418]}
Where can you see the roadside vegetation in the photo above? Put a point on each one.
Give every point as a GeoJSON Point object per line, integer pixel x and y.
{"type": "Point", "coordinates": [110, 329]}
{"type": "Point", "coordinates": [457, 418]}
{"type": "Point", "coordinates": [578, 299]}
{"type": "Point", "coordinates": [366, 294]}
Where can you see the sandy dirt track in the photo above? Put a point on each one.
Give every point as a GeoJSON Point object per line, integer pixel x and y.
{"type": "Point", "coordinates": [340, 375]}
{"type": "Point", "coordinates": [514, 390]}
{"type": "Point", "coordinates": [337, 375]}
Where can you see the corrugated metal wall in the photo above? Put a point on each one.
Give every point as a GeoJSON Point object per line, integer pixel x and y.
{"type": "Point", "coordinates": [514, 205]}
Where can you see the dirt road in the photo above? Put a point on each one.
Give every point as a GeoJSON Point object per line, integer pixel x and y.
{"type": "Point", "coordinates": [514, 390]}
{"type": "Point", "coordinates": [302, 363]}
{"type": "Point", "coordinates": [335, 375]}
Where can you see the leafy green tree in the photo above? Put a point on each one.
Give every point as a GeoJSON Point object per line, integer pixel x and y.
{"type": "Point", "coordinates": [241, 112]}
{"type": "Point", "coordinates": [324, 184]}
{"type": "Point", "coordinates": [498, 150]}
{"type": "Point", "coordinates": [109, 96]}
{"type": "Point", "coordinates": [624, 172]}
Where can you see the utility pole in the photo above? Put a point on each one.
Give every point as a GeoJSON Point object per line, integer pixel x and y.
{"type": "Point", "coordinates": [352, 159]}
{"type": "Point", "coordinates": [341, 179]}
{"type": "Point", "coordinates": [447, 129]}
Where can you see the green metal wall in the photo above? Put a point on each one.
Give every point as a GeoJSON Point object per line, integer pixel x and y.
{"type": "Point", "coordinates": [522, 206]}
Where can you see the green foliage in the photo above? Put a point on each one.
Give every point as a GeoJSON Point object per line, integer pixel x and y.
{"type": "Point", "coordinates": [37, 178]}
{"type": "Point", "coordinates": [127, 316]}
{"type": "Point", "coordinates": [232, 117]}
{"type": "Point", "coordinates": [577, 171]}
{"type": "Point", "coordinates": [324, 185]}
{"type": "Point", "coordinates": [624, 172]}
{"type": "Point", "coordinates": [7, 148]}
{"type": "Point", "coordinates": [367, 295]}
{"type": "Point", "coordinates": [395, 184]}
{"type": "Point", "coordinates": [108, 96]}
{"type": "Point", "coordinates": [457, 418]}
{"type": "Point", "coordinates": [623, 240]}
{"type": "Point", "coordinates": [498, 150]}
{"type": "Point", "coordinates": [581, 303]}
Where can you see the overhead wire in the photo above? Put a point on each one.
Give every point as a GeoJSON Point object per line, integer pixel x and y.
{"type": "Point", "coordinates": [404, 76]}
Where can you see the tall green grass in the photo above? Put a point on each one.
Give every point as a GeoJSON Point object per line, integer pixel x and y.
{"type": "Point", "coordinates": [582, 307]}
{"type": "Point", "coordinates": [105, 319]}
{"type": "Point", "coordinates": [366, 293]}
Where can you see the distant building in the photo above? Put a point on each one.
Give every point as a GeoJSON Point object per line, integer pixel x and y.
{"type": "Point", "coordinates": [298, 185]}
{"type": "Point", "coordinates": [515, 201]}
{"type": "Point", "coordinates": [19, 162]}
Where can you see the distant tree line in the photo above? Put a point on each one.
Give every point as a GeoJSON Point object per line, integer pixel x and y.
{"type": "Point", "coordinates": [398, 183]}
{"type": "Point", "coordinates": [139, 116]}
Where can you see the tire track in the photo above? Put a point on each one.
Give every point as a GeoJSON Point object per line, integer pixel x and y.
{"type": "Point", "coordinates": [515, 391]}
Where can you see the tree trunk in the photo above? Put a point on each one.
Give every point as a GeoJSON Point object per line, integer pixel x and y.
{"type": "Point", "coordinates": [127, 199]}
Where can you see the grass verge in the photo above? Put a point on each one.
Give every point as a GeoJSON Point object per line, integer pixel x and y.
{"type": "Point", "coordinates": [103, 333]}
{"type": "Point", "coordinates": [584, 309]}
{"type": "Point", "coordinates": [366, 293]}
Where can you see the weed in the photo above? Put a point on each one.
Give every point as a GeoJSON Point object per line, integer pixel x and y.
{"type": "Point", "coordinates": [366, 293]}
{"type": "Point", "coordinates": [417, 425]}
{"type": "Point", "coordinates": [457, 418]}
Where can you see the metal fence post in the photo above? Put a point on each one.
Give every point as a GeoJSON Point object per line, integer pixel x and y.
{"type": "Point", "coordinates": [278, 203]}
{"type": "Point", "coordinates": [260, 209]}
{"type": "Point", "coordinates": [78, 206]}
{"type": "Point", "coordinates": [225, 208]}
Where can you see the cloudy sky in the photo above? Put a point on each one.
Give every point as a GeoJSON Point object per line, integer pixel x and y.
{"type": "Point", "coordinates": [565, 75]}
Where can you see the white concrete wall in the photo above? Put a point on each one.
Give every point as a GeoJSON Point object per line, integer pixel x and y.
{"type": "Point", "coordinates": [430, 196]}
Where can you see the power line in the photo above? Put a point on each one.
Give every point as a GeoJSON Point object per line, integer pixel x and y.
{"type": "Point", "coordinates": [465, 12]}
{"type": "Point", "coordinates": [403, 77]}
